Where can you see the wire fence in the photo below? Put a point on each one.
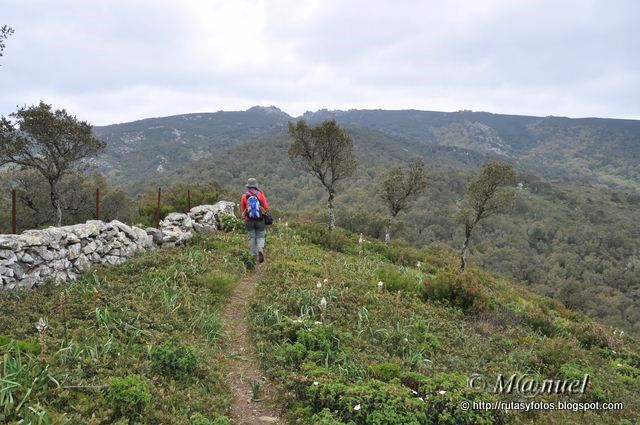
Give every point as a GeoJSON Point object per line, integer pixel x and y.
{"type": "Point", "coordinates": [14, 215]}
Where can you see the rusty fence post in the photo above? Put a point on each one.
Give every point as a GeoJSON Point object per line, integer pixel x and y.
{"type": "Point", "coordinates": [188, 200]}
{"type": "Point", "coordinates": [98, 204]}
{"type": "Point", "coordinates": [158, 211]}
{"type": "Point", "coordinates": [14, 226]}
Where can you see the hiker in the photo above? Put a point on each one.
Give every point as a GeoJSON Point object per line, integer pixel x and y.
{"type": "Point", "coordinates": [254, 208]}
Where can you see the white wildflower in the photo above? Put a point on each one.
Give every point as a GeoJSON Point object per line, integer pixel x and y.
{"type": "Point", "coordinates": [414, 392]}
{"type": "Point", "coordinates": [419, 264]}
{"type": "Point", "coordinates": [316, 383]}
{"type": "Point", "coordinates": [406, 339]}
{"type": "Point", "coordinates": [42, 325]}
{"type": "Point", "coordinates": [323, 303]}
{"type": "Point", "coordinates": [326, 281]}
{"type": "Point", "coordinates": [380, 285]}
{"type": "Point", "coordinates": [442, 392]}
{"type": "Point", "coordinates": [317, 323]}
{"type": "Point", "coordinates": [361, 239]}
{"type": "Point", "coordinates": [357, 407]}
{"type": "Point", "coordinates": [318, 285]}
{"type": "Point", "coordinates": [420, 398]}
{"type": "Point", "coordinates": [286, 224]}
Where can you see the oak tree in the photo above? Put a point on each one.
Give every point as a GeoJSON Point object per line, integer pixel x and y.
{"type": "Point", "coordinates": [49, 141]}
{"type": "Point", "coordinates": [487, 194]}
{"type": "Point", "coordinates": [399, 187]}
{"type": "Point", "coordinates": [326, 152]}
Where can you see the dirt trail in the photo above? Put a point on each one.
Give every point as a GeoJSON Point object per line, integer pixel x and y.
{"type": "Point", "coordinates": [244, 370]}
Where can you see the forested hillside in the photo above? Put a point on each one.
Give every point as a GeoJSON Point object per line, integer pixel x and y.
{"type": "Point", "coordinates": [593, 150]}
{"type": "Point", "coordinates": [573, 241]}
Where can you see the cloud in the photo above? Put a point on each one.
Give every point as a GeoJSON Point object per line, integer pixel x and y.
{"type": "Point", "coordinates": [123, 60]}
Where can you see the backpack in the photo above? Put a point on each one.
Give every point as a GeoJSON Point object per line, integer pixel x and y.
{"type": "Point", "coordinates": [253, 206]}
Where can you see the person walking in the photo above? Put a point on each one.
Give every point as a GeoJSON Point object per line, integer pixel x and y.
{"type": "Point", "coordinates": [254, 207]}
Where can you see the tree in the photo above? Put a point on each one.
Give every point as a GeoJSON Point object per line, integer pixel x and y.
{"type": "Point", "coordinates": [325, 151]}
{"type": "Point", "coordinates": [400, 185]}
{"type": "Point", "coordinates": [53, 143]}
{"type": "Point", "coordinates": [486, 195]}
{"type": "Point", "coordinates": [5, 32]}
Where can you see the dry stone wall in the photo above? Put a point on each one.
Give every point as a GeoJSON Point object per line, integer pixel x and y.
{"type": "Point", "coordinates": [59, 254]}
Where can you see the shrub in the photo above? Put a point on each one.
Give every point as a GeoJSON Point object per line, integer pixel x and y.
{"type": "Point", "coordinates": [199, 419]}
{"type": "Point", "coordinates": [230, 223]}
{"type": "Point", "coordinates": [247, 259]}
{"type": "Point", "coordinates": [174, 359]}
{"type": "Point", "coordinates": [385, 371]}
{"type": "Point", "coordinates": [395, 280]}
{"type": "Point", "coordinates": [129, 395]}
{"type": "Point", "coordinates": [456, 289]}
{"type": "Point", "coordinates": [318, 234]}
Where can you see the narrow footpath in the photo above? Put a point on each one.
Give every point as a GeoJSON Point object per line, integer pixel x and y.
{"type": "Point", "coordinates": [244, 376]}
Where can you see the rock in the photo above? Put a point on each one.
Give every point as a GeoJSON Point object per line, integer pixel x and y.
{"type": "Point", "coordinates": [155, 234]}
{"type": "Point", "coordinates": [9, 242]}
{"type": "Point", "coordinates": [74, 251]}
{"type": "Point", "coordinates": [26, 258]}
{"type": "Point", "coordinates": [18, 271]}
{"type": "Point", "coordinates": [82, 263]}
{"type": "Point", "coordinates": [6, 271]}
{"type": "Point", "coordinates": [7, 254]}
{"type": "Point", "coordinates": [268, 419]}
{"type": "Point", "coordinates": [89, 248]}
{"type": "Point", "coordinates": [43, 253]}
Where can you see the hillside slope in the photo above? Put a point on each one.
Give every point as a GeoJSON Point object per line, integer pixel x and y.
{"type": "Point", "coordinates": [573, 241]}
{"type": "Point", "coordinates": [141, 342]}
{"type": "Point", "coordinates": [358, 333]}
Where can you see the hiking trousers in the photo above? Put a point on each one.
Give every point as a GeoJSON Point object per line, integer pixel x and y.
{"type": "Point", "coordinates": [257, 231]}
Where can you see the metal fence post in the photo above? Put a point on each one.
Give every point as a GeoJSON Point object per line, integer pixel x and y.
{"type": "Point", "coordinates": [158, 211]}
{"type": "Point", "coordinates": [188, 200]}
{"type": "Point", "coordinates": [13, 212]}
{"type": "Point", "coordinates": [98, 204]}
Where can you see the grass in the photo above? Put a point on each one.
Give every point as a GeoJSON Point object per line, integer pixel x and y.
{"type": "Point", "coordinates": [395, 340]}
{"type": "Point", "coordinates": [135, 343]}
{"type": "Point", "coordinates": [401, 352]}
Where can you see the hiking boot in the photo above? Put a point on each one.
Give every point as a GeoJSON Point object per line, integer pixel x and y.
{"type": "Point", "coordinates": [260, 257]}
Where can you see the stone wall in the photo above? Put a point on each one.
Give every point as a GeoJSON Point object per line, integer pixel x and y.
{"type": "Point", "coordinates": [62, 253]}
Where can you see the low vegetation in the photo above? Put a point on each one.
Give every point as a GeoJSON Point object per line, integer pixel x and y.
{"type": "Point", "coordinates": [136, 343]}
{"type": "Point", "coordinates": [400, 331]}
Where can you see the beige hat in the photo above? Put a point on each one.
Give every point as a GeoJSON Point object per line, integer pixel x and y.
{"type": "Point", "coordinates": [252, 183]}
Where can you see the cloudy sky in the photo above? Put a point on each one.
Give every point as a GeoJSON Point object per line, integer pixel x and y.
{"type": "Point", "coordinates": [116, 61]}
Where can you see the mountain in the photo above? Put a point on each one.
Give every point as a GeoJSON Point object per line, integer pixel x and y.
{"type": "Point", "coordinates": [590, 150]}
{"type": "Point", "coordinates": [144, 148]}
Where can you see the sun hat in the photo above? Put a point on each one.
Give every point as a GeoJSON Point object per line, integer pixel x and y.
{"type": "Point", "coordinates": [252, 183]}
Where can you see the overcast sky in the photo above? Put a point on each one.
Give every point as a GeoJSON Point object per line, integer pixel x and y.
{"type": "Point", "coordinates": [116, 61]}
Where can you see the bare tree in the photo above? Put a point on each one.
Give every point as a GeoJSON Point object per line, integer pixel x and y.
{"type": "Point", "coordinates": [487, 194]}
{"type": "Point", "coordinates": [5, 32]}
{"type": "Point", "coordinates": [325, 151]}
{"type": "Point", "coordinates": [400, 185]}
{"type": "Point", "coordinates": [51, 142]}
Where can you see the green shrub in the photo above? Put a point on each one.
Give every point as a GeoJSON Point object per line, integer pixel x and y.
{"type": "Point", "coordinates": [385, 371]}
{"type": "Point", "coordinates": [174, 359]}
{"type": "Point", "coordinates": [129, 396]}
{"type": "Point", "coordinates": [395, 280]}
{"type": "Point", "coordinates": [247, 259]}
{"type": "Point", "coordinates": [230, 223]}
{"type": "Point", "coordinates": [318, 234]}
{"type": "Point", "coordinates": [199, 419]}
{"type": "Point", "coordinates": [456, 289]}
